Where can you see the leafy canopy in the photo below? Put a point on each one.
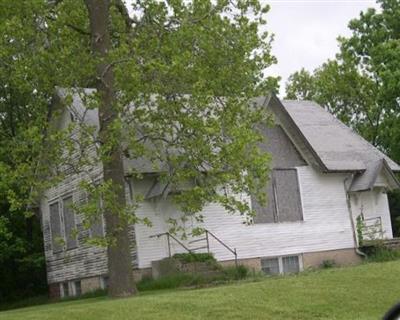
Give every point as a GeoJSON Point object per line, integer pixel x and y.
{"type": "Point", "coordinates": [184, 74]}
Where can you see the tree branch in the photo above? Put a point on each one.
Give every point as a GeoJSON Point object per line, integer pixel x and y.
{"type": "Point", "coordinates": [121, 7]}
{"type": "Point", "coordinates": [77, 29]}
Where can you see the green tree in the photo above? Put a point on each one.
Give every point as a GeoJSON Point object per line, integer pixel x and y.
{"type": "Point", "coordinates": [189, 68]}
{"type": "Point", "coordinates": [361, 86]}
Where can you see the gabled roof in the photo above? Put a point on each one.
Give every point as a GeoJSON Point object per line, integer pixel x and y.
{"type": "Point", "coordinates": [330, 145]}
{"type": "Point", "coordinates": [369, 178]}
{"type": "Point", "coordinates": [323, 141]}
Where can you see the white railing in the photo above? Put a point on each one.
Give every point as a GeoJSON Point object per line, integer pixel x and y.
{"type": "Point", "coordinates": [372, 228]}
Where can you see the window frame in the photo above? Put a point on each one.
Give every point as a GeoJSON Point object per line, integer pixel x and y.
{"type": "Point", "coordinates": [274, 188]}
{"type": "Point", "coordinates": [280, 263]}
{"type": "Point", "coordinates": [61, 220]}
{"type": "Point", "coordinates": [102, 220]}
{"type": "Point", "coordinates": [60, 201]}
{"type": "Point", "coordinates": [69, 288]}
{"type": "Point", "coordinates": [274, 194]}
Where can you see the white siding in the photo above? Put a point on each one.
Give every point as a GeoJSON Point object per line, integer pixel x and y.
{"type": "Point", "coordinates": [373, 204]}
{"type": "Point", "coordinates": [326, 225]}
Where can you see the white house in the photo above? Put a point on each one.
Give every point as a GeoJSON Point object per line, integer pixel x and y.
{"type": "Point", "coordinates": [324, 176]}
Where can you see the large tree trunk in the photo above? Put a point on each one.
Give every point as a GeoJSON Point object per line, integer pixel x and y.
{"type": "Point", "coordinates": [119, 256]}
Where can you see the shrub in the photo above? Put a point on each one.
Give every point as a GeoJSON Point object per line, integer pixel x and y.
{"type": "Point", "coordinates": [326, 264]}
{"type": "Point", "coordinates": [179, 280]}
{"type": "Point", "coordinates": [382, 254]}
{"type": "Point", "coordinates": [236, 273]}
{"type": "Point", "coordinates": [194, 257]}
{"type": "Point", "coordinates": [171, 281]}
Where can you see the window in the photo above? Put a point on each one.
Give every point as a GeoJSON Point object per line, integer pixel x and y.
{"type": "Point", "coordinates": [55, 228]}
{"type": "Point", "coordinates": [290, 264]}
{"type": "Point", "coordinates": [96, 222]}
{"type": "Point", "coordinates": [265, 214]}
{"type": "Point", "coordinates": [69, 223]}
{"type": "Point", "coordinates": [283, 198]}
{"type": "Point", "coordinates": [270, 266]}
{"type": "Point", "coordinates": [281, 265]}
{"type": "Point", "coordinates": [64, 290]}
{"type": "Point", "coordinates": [104, 282]}
{"type": "Point", "coordinates": [77, 288]}
{"type": "Point", "coordinates": [97, 228]}
{"type": "Point", "coordinates": [71, 288]}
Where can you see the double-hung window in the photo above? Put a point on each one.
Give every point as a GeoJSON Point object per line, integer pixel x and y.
{"type": "Point", "coordinates": [62, 225]}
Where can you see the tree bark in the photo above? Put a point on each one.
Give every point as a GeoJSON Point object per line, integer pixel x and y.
{"type": "Point", "coordinates": [119, 256]}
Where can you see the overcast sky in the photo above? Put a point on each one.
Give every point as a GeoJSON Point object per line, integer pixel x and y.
{"type": "Point", "coordinates": [306, 31]}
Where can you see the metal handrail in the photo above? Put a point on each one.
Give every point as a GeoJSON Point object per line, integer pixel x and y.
{"type": "Point", "coordinates": [169, 242]}
{"type": "Point", "coordinates": [233, 251]}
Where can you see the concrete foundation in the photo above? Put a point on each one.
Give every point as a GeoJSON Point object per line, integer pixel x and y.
{"type": "Point", "coordinates": [342, 257]}
{"type": "Point", "coordinates": [254, 264]}
{"type": "Point", "coordinates": [90, 284]}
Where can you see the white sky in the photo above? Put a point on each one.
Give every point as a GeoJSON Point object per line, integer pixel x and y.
{"type": "Point", "coordinates": [306, 31]}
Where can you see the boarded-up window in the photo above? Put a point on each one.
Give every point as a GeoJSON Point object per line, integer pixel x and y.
{"type": "Point", "coordinates": [55, 226]}
{"type": "Point", "coordinates": [287, 195]}
{"type": "Point", "coordinates": [283, 198]}
{"type": "Point", "coordinates": [69, 223]}
{"type": "Point", "coordinates": [266, 213]}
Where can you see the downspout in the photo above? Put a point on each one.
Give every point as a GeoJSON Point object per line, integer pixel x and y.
{"type": "Point", "coordinates": [357, 249]}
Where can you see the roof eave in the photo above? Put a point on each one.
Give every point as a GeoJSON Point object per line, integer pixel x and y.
{"type": "Point", "coordinates": [317, 160]}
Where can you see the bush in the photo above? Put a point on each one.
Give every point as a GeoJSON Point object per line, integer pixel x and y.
{"type": "Point", "coordinates": [236, 273]}
{"type": "Point", "coordinates": [194, 257]}
{"type": "Point", "coordinates": [171, 282]}
{"type": "Point", "coordinates": [327, 264]}
{"type": "Point", "coordinates": [179, 280]}
{"type": "Point", "coordinates": [382, 254]}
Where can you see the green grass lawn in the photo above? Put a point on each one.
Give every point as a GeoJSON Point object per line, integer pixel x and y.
{"type": "Point", "coordinates": [362, 292]}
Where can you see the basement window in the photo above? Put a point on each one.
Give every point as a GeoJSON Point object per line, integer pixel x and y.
{"type": "Point", "coordinates": [281, 265]}
{"type": "Point", "coordinates": [290, 264]}
{"type": "Point", "coordinates": [77, 288]}
{"type": "Point", "coordinates": [64, 290]}
{"type": "Point", "coordinates": [104, 282]}
{"type": "Point", "coordinates": [270, 266]}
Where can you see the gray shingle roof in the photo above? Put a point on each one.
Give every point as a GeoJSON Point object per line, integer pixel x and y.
{"type": "Point", "coordinates": [338, 146]}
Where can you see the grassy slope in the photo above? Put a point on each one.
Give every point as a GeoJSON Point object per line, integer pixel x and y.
{"type": "Point", "coordinates": [363, 292]}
